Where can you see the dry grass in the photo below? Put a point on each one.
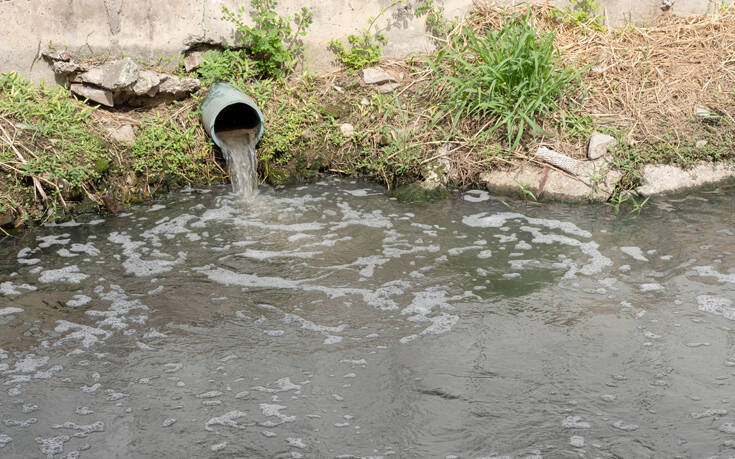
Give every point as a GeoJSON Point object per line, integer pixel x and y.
{"type": "Point", "coordinates": [646, 80]}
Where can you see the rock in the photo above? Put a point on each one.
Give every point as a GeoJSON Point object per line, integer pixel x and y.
{"type": "Point", "coordinates": [701, 144]}
{"type": "Point", "coordinates": [547, 183]}
{"type": "Point", "coordinates": [54, 55]}
{"type": "Point", "coordinates": [376, 75]}
{"type": "Point", "coordinates": [347, 129]}
{"type": "Point", "coordinates": [560, 160]}
{"type": "Point", "coordinates": [335, 110]}
{"type": "Point", "coordinates": [112, 75]}
{"type": "Point", "coordinates": [178, 87]}
{"type": "Point", "coordinates": [148, 82]}
{"type": "Point", "coordinates": [124, 135]}
{"type": "Point", "coordinates": [67, 67]}
{"type": "Point", "coordinates": [388, 87]}
{"type": "Point", "coordinates": [101, 96]}
{"type": "Point", "coordinates": [192, 61]}
{"type": "Point", "coordinates": [658, 179]}
{"type": "Point", "coordinates": [599, 145]}
{"type": "Point", "coordinates": [364, 102]}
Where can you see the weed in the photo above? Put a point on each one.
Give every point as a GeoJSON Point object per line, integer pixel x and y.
{"type": "Point", "coordinates": [234, 66]}
{"type": "Point", "coordinates": [511, 75]}
{"type": "Point", "coordinates": [365, 49]}
{"type": "Point", "coordinates": [272, 43]}
{"type": "Point", "coordinates": [50, 140]}
{"type": "Point", "coordinates": [436, 23]}
{"type": "Point", "coordinates": [525, 190]}
{"type": "Point", "coordinates": [580, 13]}
{"type": "Point", "coordinates": [171, 151]}
{"type": "Point", "coordinates": [638, 205]}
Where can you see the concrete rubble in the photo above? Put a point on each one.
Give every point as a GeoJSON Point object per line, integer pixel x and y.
{"type": "Point", "coordinates": [120, 81]}
{"type": "Point", "coordinates": [562, 178]}
{"type": "Point", "coordinates": [660, 179]}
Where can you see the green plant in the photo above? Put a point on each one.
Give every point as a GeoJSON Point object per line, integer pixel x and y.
{"type": "Point", "coordinates": [167, 150]}
{"type": "Point", "coordinates": [49, 140]}
{"type": "Point", "coordinates": [230, 65]}
{"type": "Point", "coordinates": [525, 190]}
{"type": "Point", "coordinates": [436, 23]}
{"type": "Point", "coordinates": [511, 75]}
{"type": "Point", "coordinates": [638, 205]}
{"type": "Point", "coordinates": [365, 49]}
{"type": "Point", "coordinates": [271, 43]}
{"type": "Point", "coordinates": [580, 13]}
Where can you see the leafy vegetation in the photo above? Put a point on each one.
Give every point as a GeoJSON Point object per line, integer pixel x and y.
{"type": "Point", "coordinates": [273, 44]}
{"type": "Point", "coordinates": [364, 49]}
{"type": "Point", "coordinates": [512, 76]}
{"type": "Point", "coordinates": [580, 13]}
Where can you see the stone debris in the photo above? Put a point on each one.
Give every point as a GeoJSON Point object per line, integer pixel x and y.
{"type": "Point", "coordinates": [192, 61]}
{"type": "Point", "coordinates": [658, 179]}
{"type": "Point", "coordinates": [599, 145]}
{"type": "Point", "coordinates": [576, 181]}
{"type": "Point", "coordinates": [388, 87]}
{"type": "Point", "coordinates": [376, 75]}
{"type": "Point", "coordinates": [101, 96]}
{"type": "Point", "coordinates": [347, 129]}
{"type": "Point", "coordinates": [124, 135]}
{"type": "Point", "coordinates": [704, 113]}
{"type": "Point", "coordinates": [120, 81]}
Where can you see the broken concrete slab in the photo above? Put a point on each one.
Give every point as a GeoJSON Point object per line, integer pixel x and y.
{"type": "Point", "coordinates": [101, 96]}
{"type": "Point", "coordinates": [659, 179]}
{"type": "Point", "coordinates": [388, 87]}
{"type": "Point", "coordinates": [192, 61]}
{"type": "Point", "coordinates": [547, 183]}
{"type": "Point", "coordinates": [376, 75]}
{"type": "Point", "coordinates": [178, 87]}
{"type": "Point", "coordinates": [599, 145]}
{"type": "Point", "coordinates": [112, 75]}
{"type": "Point", "coordinates": [147, 83]}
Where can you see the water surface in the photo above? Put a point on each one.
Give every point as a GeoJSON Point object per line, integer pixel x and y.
{"type": "Point", "coordinates": [330, 321]}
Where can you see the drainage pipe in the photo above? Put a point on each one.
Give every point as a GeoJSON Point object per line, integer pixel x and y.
{"type": "Point", "coordinates": [227, 109]}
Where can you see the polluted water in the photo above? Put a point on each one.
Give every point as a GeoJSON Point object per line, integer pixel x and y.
{"type": "Point", "coordinates": [335, 322]}
{"type": "Point", "coordinates": [238, 148]}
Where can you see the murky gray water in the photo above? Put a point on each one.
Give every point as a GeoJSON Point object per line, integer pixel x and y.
{"type": "Point", "coordinates": [238, 148]}
{"type": "Point", "coordinates": [330, 321]}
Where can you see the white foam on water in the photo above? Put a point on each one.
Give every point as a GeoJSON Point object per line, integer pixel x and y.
{"type": "Point", "coordinates": [9, 310]}
{"type": "Point", "coordinates": [30, 363]}
{"type": "Point", "coordinates": [83, 430]}
{"type": "Point", "coordinates": [709, 413]}
{"type": "Point", "coordinates": [621, 425]}
{"type": "Point", "coordinates": [48, 241]}
{"type": "Point", "coordinates": [296, 442]}
{"type": "Point", "coordinates": [282, 385]}
{"type": "Point", "coordinates": [717, 305]}
{"type": "Point", "coordinates": [267, 254]}
{"type": "Point", "coordinates": [228, 419]}
{"type": "Point", "coordinates": [78, 300]}
{"type": "Point", "coordinates": [4, 440]}
{"type": "Point", "coordinates": [576, 441]}
{"type": "Point", "coordinates": [53, 445]}
{"type": "Point", "coordinates": [709, 271]}
{"type": "Point", "coordinates": [68, 274]}
{"type": "Point", "coordinates": [651, 287]}
{"type": "Point", "coordinates": [360, 193]}
{"type": "Point", "coordinates": [597, 260]}
{"type": "Point", "coordinates": [634, 252]}
{"type": "Point", "coordinates": [476, 196]}
{"type": "Point", "coordinates": [350, 217]}
{"type": "Point", "coordinates": [136, 265]}
{"type": "Point", "coordinates": [484, 220]}
{"type": "Point", "coordinates": [271, 410]}
{"type": "Point", "coordinates": [218, 446]}
{"type": "Point", "coordinates": [460, 250]}
{"type": "Point", "coordinates": [84, 333]}
{"type": "Point", "coordinates": [331, 339]}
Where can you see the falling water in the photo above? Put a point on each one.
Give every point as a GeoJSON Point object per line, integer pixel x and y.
{"type": "Point", "coordinates": [238, 147]}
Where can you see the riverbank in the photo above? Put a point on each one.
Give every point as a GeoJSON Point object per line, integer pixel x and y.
{"type": "Point", "coordinates": [660, 95]}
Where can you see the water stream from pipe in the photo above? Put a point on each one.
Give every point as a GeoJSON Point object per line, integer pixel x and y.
{"type": "Point", "coordinates": [238, 148]}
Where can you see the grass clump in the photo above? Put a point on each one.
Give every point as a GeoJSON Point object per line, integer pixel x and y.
{"type": "Point", "coordinates": [273, 43]}
{"type": "Point", "coordinates": [364, 49]}
{"type": "Point", "coordinates": [510, 76]}
{"type": "Point", "coordinates": [50, 148]}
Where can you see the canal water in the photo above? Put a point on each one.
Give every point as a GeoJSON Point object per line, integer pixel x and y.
{"type": "Point", "coordinates": [331, 321]}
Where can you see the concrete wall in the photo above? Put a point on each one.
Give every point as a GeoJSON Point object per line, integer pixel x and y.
{"type": "Point", "coordinates": [149, 29]}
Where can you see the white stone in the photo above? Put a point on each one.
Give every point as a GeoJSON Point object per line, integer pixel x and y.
{"type": "Point", "coordinates": [658, 179]}
{"type": "Point", "coordinates": [124, 135]}
{"type": "Point", "coordinates": [347, 129]}
{"type": "Point", "coordinates": [112, 75]}
{"type": "Point", "coordinates": [148, 82]}
{"type": "Point", "coordinates": [101, 96]}
{"type": "Point", "coordinates": [376, 75]}
{"type": "Point", "coordinates": [388, 87]}
{"type": "Point", "coordinates": [599, 145]}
